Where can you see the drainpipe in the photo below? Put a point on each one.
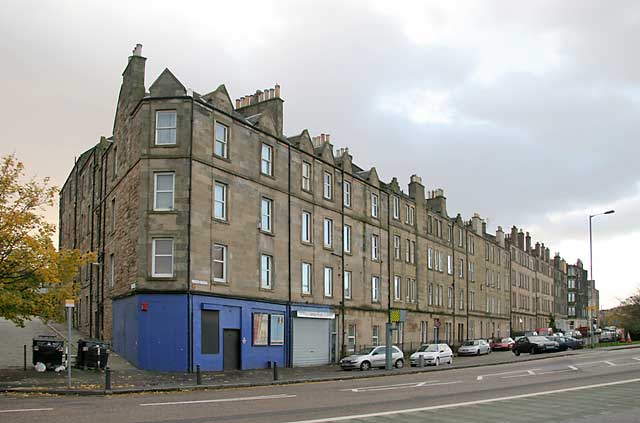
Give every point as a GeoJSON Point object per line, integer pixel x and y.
{"type": "Point", "coordinates": [289, 323]}
{"type": "Point", "coordinates": [342, 306]}
{"type": "Point", "coordinates": [453, 281]}
{"type": "Point", "coordinates": [190, 355]}
{"type": "Point", "coordinates": [466, 253]}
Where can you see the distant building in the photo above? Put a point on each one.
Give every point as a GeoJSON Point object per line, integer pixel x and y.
{"type": "Point", "coordinates": [577, 295]}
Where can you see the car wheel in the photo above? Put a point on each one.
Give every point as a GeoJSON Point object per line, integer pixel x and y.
{"type": "Point", "coordinates": [516, 352]}
{"type": "Point", "coordinates": [437, 362]}
{"type": "Point", "coordinates": [532, 350]}
{"type": "Point", "coordinates": [365, 365]}
{"type": "Point", "coordinates": [451, 360]}
{"type": "Point", "coordinates": [489, 351]}
{"type": "Point", "coordinates": [399, 363]}
{"type": "Point", "coordinates": [478, 351]}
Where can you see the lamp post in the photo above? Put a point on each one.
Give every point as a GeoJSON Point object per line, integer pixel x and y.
{"type": "Point", "coordinates": [591, 216]}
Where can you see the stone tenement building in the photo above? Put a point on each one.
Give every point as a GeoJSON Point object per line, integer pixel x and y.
{"type": "Point", "coordinates": [226, 244]}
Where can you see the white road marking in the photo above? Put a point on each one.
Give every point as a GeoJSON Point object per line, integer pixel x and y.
{"type": "Point", "coordinates": [609, 363]}
{"type": "Point", "coordinates": [531, 372]}
{"type": "Point", "coordinates": [465, 403]}
{"type": "Point", "coordinates": [400, 386]}
{"type": "Point", "coordinates": [503, 373]}
{"type": "Point", "coordinates": [22, 410]}
{"type": "Point", "coordinates": [264, 397]}
{"type": "Point", "coordinates": [573, 367]}
{"type": "Point", "coordinates": [636, 358]}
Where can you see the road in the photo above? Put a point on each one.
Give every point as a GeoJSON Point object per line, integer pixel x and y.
{"type": "Point", "coordinates": [588, 388]}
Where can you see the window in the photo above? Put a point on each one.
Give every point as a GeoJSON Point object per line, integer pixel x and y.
{"type": "Point", "coordinates": [346, 238]}
{"type": "Point", "coordinates": [429, 224]}
{"type": "Point", "coordinates": [449, 265]}
{"type": "Point", "coordinates": [306, 227]}
{"type": "Point", "coordinates": [306, 176]}
{"type": "Point", "coordinates": [396, 208]}
{"type": "Point", "coordinates": [470, 245]}
{"type": "Point", "coordinates": [347, 284]}
{"type": "Point", "coordinates": [166, 127]}
{"type": "Point", "coordinates": [266, 213]}
{"type": "Point", "coordinates": [460, 240]}
{"type": "Point", "coordinates": [375, 289]}
{"type": "Point", "coordinates": [440, 264]}
{"type": "Point", "coordinates": [220, 201]}
{"type": "Point", "coordinates": [424, 331]}
{"type": "Point", "coordinates": [266, 272]}
{"type": "Point", "coordinates": [220, 148]}
{"type": "Point", "coordinates": [351, 338]}
{"type": "Point", "coordinates": [163, 191]}
{"type": "Point", "coordinates": [113, 214]}
{"type": "Point", "coordinates": [328, 281]}
{"type": "Point", "coordinates": [112, 272]}
{"type": "Point", "coordinates": [572, 297]}
{"type": "Point", "coordinates": [439, 228]}
{"type": "Point", "coordinates": [266, 166]}
{"type": "Point", "coordinates": [210, 331]}
{"type": "Point", "coordinates": [461, 269]}
{"type": "Point", "coordinates": [396, 288]}
{"type": "Point", "coordinates": [412, 290]}
{"type": "Point", "coordinates": [374, 205]}
{"type": "Point", "coordinates": [406, 213]}
{"type": "Point", "coordinates": [396, 247]}
{"type": "Point", "coordinates": [306, 278]}
{"type": "Point", "coordinates": [327, 184]}
{"type": "Point", "coordinates": [413, 252]}
{"type": "Point", "coordinates": [407, 253]}
{"type": "Point", "coordinates": [260, 329]}
{"type": "Point", "coordinates": [472, 300]}
{"type": "Point", "coordinates": [375, 251]}
{"type": "Point", "coordinates": [346, 193]}
{"type": "Point", "coordinates": [375, 336]}
{"type": "Point", "coordinates": [276, 330]}
{"type": "Point", "coordinates": [499, 280]}
{"type": "Point", "coordinates": [162, 263]}
{"type": "Point", "coordinates": [461, 300]}
{"type": "Point", "coordinates": [328, 233]}
{"type": "Point", "coordinates": [220, 263]}
{"type": "Point", "coordinates": [472, 271]}
{"type": "Point", "coordinates": [411, 212]}
{"type": "Point", "coordinates": [449, 232]}
{"type": "Point", "coordinates": [115, 161]}
{"type": "Point", "coordinates": [430, 294]}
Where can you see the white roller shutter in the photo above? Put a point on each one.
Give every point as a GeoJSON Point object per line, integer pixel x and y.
{"type": "Point", "coordinates": [310, 342]}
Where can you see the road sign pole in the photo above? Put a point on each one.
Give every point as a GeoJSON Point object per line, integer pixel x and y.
{"type": "Point", "coordinates": [388, 346]}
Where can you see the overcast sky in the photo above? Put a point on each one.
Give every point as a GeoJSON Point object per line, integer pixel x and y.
{"type": "Point", "coordinates": [525, 112]}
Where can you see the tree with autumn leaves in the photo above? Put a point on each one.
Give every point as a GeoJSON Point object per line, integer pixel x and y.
{"type": "Point", "coordinates": [35, 278]}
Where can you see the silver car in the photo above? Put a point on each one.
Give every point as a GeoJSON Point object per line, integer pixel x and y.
{"type": "Point", "coordinates": [474, 347]}
{"type": "Point", "coordinates": [372, 357]}
{"type": "Point", "coordinates": [433, 354]}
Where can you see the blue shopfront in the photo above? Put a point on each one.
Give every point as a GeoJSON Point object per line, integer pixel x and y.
{"type": "Point", "coordinates": [153, 331]}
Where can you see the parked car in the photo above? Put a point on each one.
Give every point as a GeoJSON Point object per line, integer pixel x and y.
{"type": "Point", "coordinates": [568, 342]}
{"type": "Point", "coordinates": [474, 347]}
{"type": "Point", "coordinates": [434, 354]}
{"type": "Point", "coordinates": [372, 357]}
{"type": "Point", "coordinates": [502, 344]}
{"type": "Point", "coordinates": [534, 345]}
{"type": "Point", "coordinates": [608, 336]}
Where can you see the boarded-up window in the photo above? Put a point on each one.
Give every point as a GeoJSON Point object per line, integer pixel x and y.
{"type": "Point", "coordinates": [210, 337]}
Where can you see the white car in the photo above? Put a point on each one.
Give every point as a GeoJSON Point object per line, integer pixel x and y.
{"type": "Point", "coordinates": [433, 354]}
{"type": "Point", "coordinates": [474, 347]}
{"type": "Point", "coordinates": [372, 357]}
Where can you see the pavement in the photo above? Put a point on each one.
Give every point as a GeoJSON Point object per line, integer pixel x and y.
{"type": "Point", "coordinates": [125, 378]}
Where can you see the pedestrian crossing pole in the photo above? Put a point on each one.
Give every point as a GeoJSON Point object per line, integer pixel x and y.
{"type": "Point", "coordinates": [69, 305]}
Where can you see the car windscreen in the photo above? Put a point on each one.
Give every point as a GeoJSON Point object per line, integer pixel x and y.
{"type": "Point", "coordinates": [506, 340]}
{"type": "Point", "coordinates": [365, 351]}
{"type": "Point", "coordinates": [470, 343]}
{"type": "Point", "coordinates": [538, 339]}
{"type": "Point", "coordinates": [428, 348]}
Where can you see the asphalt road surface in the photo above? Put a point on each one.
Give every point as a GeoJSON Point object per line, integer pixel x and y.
{"type": "Point", "coordinates": [593, 387]}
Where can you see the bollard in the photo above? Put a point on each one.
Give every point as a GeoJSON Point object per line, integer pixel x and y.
{"type": "Point", "coordinates": [198, 375]}
{"type": "Point", "coordinates": [107, 379]}
{"type": "Point", "coordinates": [421, 360]}
{"type": "Point", "coordinates": [25, 357]}
{"type": "Point", "coordinates": [275, 371]}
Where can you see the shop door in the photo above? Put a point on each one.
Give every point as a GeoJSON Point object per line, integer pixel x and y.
{"type": "Point", "coordinates": [231, 349]}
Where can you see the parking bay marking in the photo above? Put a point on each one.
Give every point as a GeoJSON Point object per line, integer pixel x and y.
{"type": "Point", "coordinates": [22, 410]}
{"type": "Point", "coordinates": [400, 386]}
{"type": "Point", "coordinates": [519, 373]}
{"type": "Point", "coordinates": [264, 397]}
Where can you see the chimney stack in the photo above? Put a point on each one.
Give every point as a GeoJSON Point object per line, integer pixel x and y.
{"type": "Point", "coordinates": [500, 236]}
{"type": "Point", "coordinates": [416, 190]}
{"type": "Point", "coordinates": [528, 243]}
{"type": "Point", "coordinates": [476, 224]}
{"type": "Point", "coordinates": [521, 239]}
{"type": "Point", "coordinates": [537, 250]}
{"type": "Point", "coordinates": [137, 50]}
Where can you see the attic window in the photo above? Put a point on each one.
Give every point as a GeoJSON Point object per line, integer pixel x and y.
{"type": "Point", "coordinates": [166, 127]}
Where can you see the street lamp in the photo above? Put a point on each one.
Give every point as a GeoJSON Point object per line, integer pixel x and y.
{"type": "Point", "coordinates": [591, 216]}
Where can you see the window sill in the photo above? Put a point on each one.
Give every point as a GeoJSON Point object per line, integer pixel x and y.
{"type": "Point", "coordinates": [267, 233]}
{"type": "Point", "coordinates": [220, 282]}
{"type": "Point", "coordinates": [266, 175]}
{"type": "Point", "coordinates": [263, 289]}
{"type": "Point", "coordinates": [171, 211]}
{"type": "Point", "coordinates": [155, 145]}
{"type": "Point", "coordinates": [306, 243]}
{"type": "Point", "coordinates": [221, 221]}
{"type": "Point", "coordinates": [162, 278]}
{"type": "Point", "coordinates": [225, 159]}
{"type": "Point", "coordinates": [327, 248]}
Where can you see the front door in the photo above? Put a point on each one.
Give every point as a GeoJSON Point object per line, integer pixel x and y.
{"type": "Point", "coordinates": [231, 348]}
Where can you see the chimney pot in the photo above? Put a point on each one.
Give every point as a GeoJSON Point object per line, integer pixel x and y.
{"type": "Point", "coordinates": [328, 137]}
{"type": "Point", "coordinates": [137, 50]}
{"type": "Point", "coordinates": [237, 103]}
{"type": "Point", "coordinates": [277, 90]}
{"type": "Point", "coordinates": [272, 93]}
